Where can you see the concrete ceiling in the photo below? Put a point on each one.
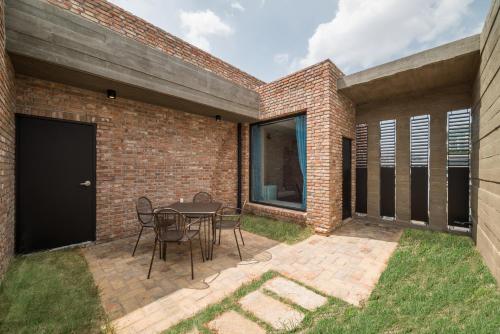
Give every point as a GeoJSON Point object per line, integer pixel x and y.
{"type": "Point", "coordinates": [447, 65]}
{"type": "Point", "coordinates": [51, 43]}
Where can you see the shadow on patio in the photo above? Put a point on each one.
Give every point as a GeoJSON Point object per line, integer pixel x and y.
{"type": "Point", "coordinates": [122, 280]}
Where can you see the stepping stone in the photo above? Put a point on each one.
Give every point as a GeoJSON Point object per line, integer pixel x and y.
{"type": "Point", "coordinates": [295, 293]}
{"type": "Point", "coordinates": [280, 316]}
{"type": "Point", "coordinates": [232, 322]}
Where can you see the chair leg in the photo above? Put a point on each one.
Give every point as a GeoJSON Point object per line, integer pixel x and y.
{"type": "Point", "coordinates": [201, 247]}
{"type": "Point", "coordinates": [237, 244]}
{"type": "Point", "coordinates": [220, 232]}
{"type": "Point", "coordinates": [165, 251]}
{"type": "Point", "coordinates": [152, 258]}
{"type": "Point", "coordinates": [191, 256]}
{"type": "Point", "coordinates": [137, 242]}
{"type": "Point", "coordinates": [241, 235]}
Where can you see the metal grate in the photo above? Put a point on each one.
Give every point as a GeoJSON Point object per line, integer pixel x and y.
{"type": "Point", "coordinates": [361, 146]}
{"type": "Point", "coordinates": [388, 143]}
{"type": "Point", "coordinates": [459, 124]}
{"type": "Point", "coordinates": [419, 140]}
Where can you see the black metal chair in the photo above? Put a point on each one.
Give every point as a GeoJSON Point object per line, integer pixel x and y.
{"type": "Point", "coordinates": [145, 213]}
{"type": "Point", "coordinates": [172, 226]}
{"type": "Point", "coordinates": [229, 218]}
{"type": "Point", "coordinates": [202, 197]}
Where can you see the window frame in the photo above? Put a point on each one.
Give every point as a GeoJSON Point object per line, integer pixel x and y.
{"type": "Point", "coordinates": [265, 122]}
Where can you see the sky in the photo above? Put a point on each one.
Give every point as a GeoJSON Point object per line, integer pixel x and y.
{"type": "Point", "coordinates": [272, 38]}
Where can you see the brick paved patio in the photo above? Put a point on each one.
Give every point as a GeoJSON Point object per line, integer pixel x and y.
{"type": "Point", "coordinates": [346, 265]}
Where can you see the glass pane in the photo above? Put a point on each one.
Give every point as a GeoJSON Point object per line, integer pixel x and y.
{"type": "Point", "coordinates": [276, 174]}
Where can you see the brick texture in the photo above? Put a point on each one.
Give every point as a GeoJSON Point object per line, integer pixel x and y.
{"type": "Point", "coordinates": [142, 150]}
{"type": "Point", "coordinates": [123, 22]}
{"type": "Point", "coordinates": [329, 118]}
{"type": "Point", "coordinates": [6, 151]}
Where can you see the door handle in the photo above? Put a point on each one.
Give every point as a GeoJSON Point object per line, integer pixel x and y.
{"type": "Point", "coordinates": [86, 183]}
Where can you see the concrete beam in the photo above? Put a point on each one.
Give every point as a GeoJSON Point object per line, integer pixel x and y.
{"type": "Point", "coordinates": [447, 65]}
{"type": "Point", "coordinates": [54, 44]}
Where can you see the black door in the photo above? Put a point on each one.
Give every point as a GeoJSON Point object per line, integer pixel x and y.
{"type": "Point", "coordinates": [346, 178]}
{"type": "Point", "coordinates": [55, 180]}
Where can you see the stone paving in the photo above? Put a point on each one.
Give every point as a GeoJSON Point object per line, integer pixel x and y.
{"type": "Point", "coordinates": [277, 314]}
{"type": "Point", "coordinates": [346, 265]}
{"type": "Point", "coordinates": [232, 322]}
{"type": "Point", "coordinates": [295, 293]}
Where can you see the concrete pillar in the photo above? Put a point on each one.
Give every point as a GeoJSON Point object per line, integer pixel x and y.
{"type": "Point", "coordinates": [403, 169]}
{"type": "Point", "coordinates": [437, 172]}
{"type": "Point", "coordinates": [373, 169]}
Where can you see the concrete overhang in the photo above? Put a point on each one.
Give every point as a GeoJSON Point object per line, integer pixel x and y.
{"type": "Point", "coordinates": [51, 43]}
{"type": "Point", "coordinates": [451, 64]}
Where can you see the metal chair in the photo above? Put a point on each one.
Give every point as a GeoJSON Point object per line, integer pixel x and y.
{"type": "Point", "coordinates": [145, 213]}
{"type": "Point", "coordinates": [229, 218]}
{"type": "Point", "coordinates": [202, 197]}
{"type": "Point", "coordinates": [172, 226]}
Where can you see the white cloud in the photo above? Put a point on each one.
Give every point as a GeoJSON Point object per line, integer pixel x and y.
{"type": "Point", "coordinates": [281, 58]}
{"type": "Point", "coordinates": [200, 25]}
{"type": "Point", "coordinates": [236, 5]}
{"type": "Point", "coordinates": [367, 32]}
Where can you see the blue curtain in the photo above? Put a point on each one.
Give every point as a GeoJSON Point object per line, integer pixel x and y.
{"type": "Point", "coordinates": [301, 133]}
{"type": "Point", "coordinates": [256, 191]}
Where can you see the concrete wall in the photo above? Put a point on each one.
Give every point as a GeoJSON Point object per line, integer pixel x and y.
{"type": "Point", "coordinates": [6, 151]}
{"type": "Point", "coordinates": [330, 116]}
{"type": "Point", "coordinates": [142, 149]}
{"type": "Point", "coordinates": [123, 22]}
{"type": "Point", "coordinates": [486, 145]}
{"type": "Point", "coordinates": [437, 104]}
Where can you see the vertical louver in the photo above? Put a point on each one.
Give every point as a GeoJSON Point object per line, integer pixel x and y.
{"type": "Point", "coordinates": [419, 140]}
{"type": "Point", "coordinates": [361, 146]}
{"type": "Point", "coordinates": [388, 143]}
{"type": "Point", "coordinates": [459, 138]}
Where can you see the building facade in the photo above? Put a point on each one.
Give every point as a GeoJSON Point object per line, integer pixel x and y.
{"type": "Point", "coordinates": [185, 121]}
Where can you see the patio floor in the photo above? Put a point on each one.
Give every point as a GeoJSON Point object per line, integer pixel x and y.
{"type": "Point", "coordinates": [346, 265]}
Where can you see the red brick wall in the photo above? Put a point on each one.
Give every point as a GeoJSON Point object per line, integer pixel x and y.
{"type": "Point", "coordinates": [6, 151]}
{"type": "Point", "coordinates": [142, 149]}
{"type": "Point", "coordinates": [123, 22]}
{"type": "Point", "coordinates": [329, 117]}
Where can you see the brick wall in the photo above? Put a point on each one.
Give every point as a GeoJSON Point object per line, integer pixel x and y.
{"type": "Point", "coordinates": [329, 117]}
{"type": "Point", "coordinates": [142, 149]}
{"type": "Point", "coordinates": [6, 151]}
{"type": "Point", "coordinates": [121, 21]}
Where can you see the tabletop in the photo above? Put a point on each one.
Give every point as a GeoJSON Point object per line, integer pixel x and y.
{"type": "Point", "coordinates": [196, 208]}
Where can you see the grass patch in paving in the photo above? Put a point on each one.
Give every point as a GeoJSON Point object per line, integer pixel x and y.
{"type": "Point", "coordinates": [434, 283]}
{"type": "Point", "coordinates": [50, 292]}
{"type": "Point", "coordinates": [278, 230]}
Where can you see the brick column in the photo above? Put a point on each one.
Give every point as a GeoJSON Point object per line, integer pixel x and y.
{"type": "Point", "coordinates": [373, 169]}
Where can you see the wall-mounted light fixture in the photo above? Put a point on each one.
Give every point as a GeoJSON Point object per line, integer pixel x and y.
{"type": "Point", "coordinates": [111, 94]}
{"type": "Point", "coordinates": [218, 118]}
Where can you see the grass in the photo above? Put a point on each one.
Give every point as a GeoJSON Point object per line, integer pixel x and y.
{"type": "Point", "coordinates": [50, 292]}
{"type": "Point", "coordinates": [434, 283]}
{"type": "Point", "coordinates": [278, 230]}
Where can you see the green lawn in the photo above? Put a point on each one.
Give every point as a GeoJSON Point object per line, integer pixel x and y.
{"type": "Point", "coordinates": [434, 283]}
{"type": "Point", "coordinates": [278, 230]}
{"type": "Point", "coordinates": [50, 292]}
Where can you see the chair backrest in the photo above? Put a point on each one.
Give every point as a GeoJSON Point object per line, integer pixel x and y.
{"type": "Point", "coordinates": [168, 220]}
{"type": "Point", "coordinates": [202, 197]}
{"type": "Point", "coordinates": [144, 209]}
{"type": "Point", "coordinates": [230, 214]}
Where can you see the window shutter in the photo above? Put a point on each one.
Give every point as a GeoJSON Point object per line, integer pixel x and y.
{"type": "Point", "coordinates": [459, 138]}
{"type": "Point", "coordinates": [419, 140]}
{"type": "Point", "coordinates": [361, 146]}
{"type": "Point", "coordinates": [388, 143]}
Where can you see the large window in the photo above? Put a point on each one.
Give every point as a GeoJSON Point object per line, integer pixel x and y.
{"type": "Point", "coordinates": [278, 163]}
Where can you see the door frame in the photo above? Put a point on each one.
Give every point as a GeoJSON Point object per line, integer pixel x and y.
{"type": "Point", "coordinates": [344, 139]}
{"type": "Point", "coordinates": [94, 168]}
